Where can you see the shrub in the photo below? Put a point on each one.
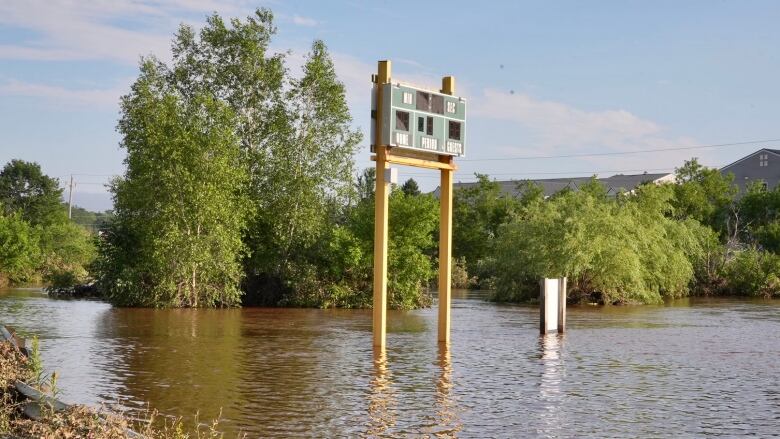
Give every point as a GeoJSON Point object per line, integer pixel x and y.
{"type": "Point", "coordinates": [753, 272]}
{"type": "Point", "coordinates": [619, 250]}
{"type": "Point", "coordinates": [19, 249]}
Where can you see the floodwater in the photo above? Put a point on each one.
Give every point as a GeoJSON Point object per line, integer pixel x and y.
{"type": "Point", "coordinates": [688, 369]}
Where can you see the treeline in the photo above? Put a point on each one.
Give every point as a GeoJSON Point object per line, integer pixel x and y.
{"type": "Point", "coordinates": [240, 188]}
{"type": "Point", "coordinates": [695, 236]}
{"type": "Point", "coordinates": [38, 243]}
{"type": "Point", "coordinates": [240, 185]}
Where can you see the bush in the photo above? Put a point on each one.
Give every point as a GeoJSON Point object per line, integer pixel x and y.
{"type": "Point", "coordinates": [20, 254]}
{"type": "Point", "coordinates": [460, 276]}
{"type": "Point", "coordinates": [344, 275]}
{"type": "Point", "coordinates": [67, 249]}
{"type": "Point", "coordinates": [753, 272]}
{"type": "Point", "coordinates": [622, 250]}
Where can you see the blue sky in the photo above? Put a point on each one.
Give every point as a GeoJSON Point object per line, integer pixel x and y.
{"type": "Point", "coordinates": [541, 78]}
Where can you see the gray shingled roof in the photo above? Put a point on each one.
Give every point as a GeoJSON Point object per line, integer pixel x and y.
{"type": "Point", "coordinates": [613, 184]}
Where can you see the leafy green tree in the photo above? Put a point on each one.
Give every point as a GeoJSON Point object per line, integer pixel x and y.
{"type": "Point", "coordinates": [478, 212]}
{"type": "Point", "coordinates": [25, 189]}
{"type": "Point", "coordinates": [758, 217]}
{"type": "Point", "coordinates": [612, 250]}
{"type": "Point", "coordinates": [752, 272]}
{"type": "Point", "coordinates": [92, 221]}
{"type": "Point", "coordinates": [366, 183]}
{"type": "Point", "coordinates": [40, 243]}
{"type": "Point", "coordinates": [181, 206]}
{"type": "Point", "coordinates": [295, 148]}
{"type": "Point", "coordinates": [348, 280]}
{"type": "Point", "coordinates": [410, 187]}
{"type": "Point", "coordinates": [19, 250]}
{"type": "Point", "coordinates": [704, 194]}
{"type": "Point", "coordinates": [67, 250]}
{"type": "Point", "coordinates": [308, 176]}
{"type": "Point", "coordinates": [295, 135]}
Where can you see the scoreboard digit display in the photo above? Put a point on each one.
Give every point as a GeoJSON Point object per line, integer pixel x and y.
{"type": "Point", "coordinates": [420, 119]}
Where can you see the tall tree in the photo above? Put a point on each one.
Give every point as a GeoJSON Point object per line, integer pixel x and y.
{"type": "Point", "coordinates": [181, 206]}
{"type": "Point", "coordinates": [295, 140]}
{"type": "Point", "coordinates": [703, 194]}
{"type": "Point", "coordinates": [294, 132]}
{"type": "Point", "coordinates": [366, 183]}
{"type": "Point", "coordinates": [308, 175]}
{"type": "Point", "coordinates": [410, 187]}
{"type": "Point", "coordinates": [478, 212]}
{"type": "Point", "coordinates": [25, 189]}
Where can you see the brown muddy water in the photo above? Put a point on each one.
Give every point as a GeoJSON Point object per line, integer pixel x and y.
{"type": "Point", "coordinates": [692, 368]}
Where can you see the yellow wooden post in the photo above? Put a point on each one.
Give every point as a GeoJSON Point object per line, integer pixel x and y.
{"type": "Point", "coordinates": [445, 234]}
{"type": "Point", "coordinates": [381, 216]}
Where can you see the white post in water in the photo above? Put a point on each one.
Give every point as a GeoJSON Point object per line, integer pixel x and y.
{"type": "Point", "coordinates": [552, 305]}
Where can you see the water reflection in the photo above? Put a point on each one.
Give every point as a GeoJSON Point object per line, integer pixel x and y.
{"type": "Point", "coordinates": [448, 418]}
{"type": "Point", "coordinates": [179, 359]}
{"type": "Point", "coordinates": [381, 404]}
{"type": "Point", "coordinates": [551, 384]}
{"type": "Point", "coordinates": [708, 368]}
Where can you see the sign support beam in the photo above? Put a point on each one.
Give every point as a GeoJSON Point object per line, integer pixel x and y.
{"type": "Point", "coordinates": [380, 219]}
{"type": "Point", "coordinates": [445, 233]}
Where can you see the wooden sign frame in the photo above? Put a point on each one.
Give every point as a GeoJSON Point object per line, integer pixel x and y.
{"type": "Point", "coordinates": [445, 164]}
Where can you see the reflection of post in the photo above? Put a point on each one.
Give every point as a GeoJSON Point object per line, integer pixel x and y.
{"type": "Point", "coordinates": [449, 423]}
{"type": "Point", "coordinates": [380, 406]}
{"type": "Point", "coordinates": [445, 234]}
{"type": "Point", "coordinates": [381, 216]}
{"type": "Point", "coordinates": [550, 389]}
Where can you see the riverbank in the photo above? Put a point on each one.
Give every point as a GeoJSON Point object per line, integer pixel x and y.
{"type": "Point", "coordinates": [29, 407]}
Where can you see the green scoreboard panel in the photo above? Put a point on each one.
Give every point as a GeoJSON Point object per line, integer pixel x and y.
{"type": "Point", "coordinates": [422, 120]}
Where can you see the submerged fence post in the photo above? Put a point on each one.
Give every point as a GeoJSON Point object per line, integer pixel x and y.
{"type": "Point", "coordinates": [552, 305]}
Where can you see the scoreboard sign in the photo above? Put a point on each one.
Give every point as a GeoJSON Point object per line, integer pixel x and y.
{"type": "Point", "coordinates": [421, 119]}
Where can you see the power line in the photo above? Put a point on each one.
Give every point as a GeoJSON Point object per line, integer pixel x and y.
{"type": "Point", "coordinates": [553, 173]}
{"type": "Point", "coordinates": [639, 151]}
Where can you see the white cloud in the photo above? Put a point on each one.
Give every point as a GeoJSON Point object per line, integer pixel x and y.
{"type": "Point", "coordinates": [304, 21]}
{"type": "Point", "coordinates": [550, 127]}
{"type": "Point", "coordinates": [101, 97]}
{"type": "Point", "coordinates": [90, 29]}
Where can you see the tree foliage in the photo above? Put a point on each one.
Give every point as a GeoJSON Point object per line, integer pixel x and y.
{"type": "Point", "coordinates": [37, 241]}
{"type": "Point", "coordinates": [703, 194]}
{"type": "Point", "coordinates": [295, 142]}
{"type": "Point", "coordinates": [753, 272]}
{"type": "Point", "coordinates": [181, 206]}
{"type": "Point", "coordinates": [26, 190]}
{"type": "Point", "coordinates": [19, 249]}
{"type": "Point", "coordinates": [410, 187]}
{"type": "Point", "coordinates": [348, 265]}
{"type": "Point", "coordinates": [479, 211]}
{"type": "Point", "coordinates": [613, 250]}
{"type": "Point", "coordinates": [759, 215]}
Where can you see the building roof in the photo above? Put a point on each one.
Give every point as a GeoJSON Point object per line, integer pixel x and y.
{"type": "Point", "coordinates": [613, 184]}
{"type": "Point", "coordinates": [773, 151]}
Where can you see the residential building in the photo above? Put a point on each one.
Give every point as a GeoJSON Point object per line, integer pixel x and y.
{"type": "Point", "coordinates": [761, 166]}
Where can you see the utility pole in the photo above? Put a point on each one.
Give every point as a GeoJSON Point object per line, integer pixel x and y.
{"type": "Point", "coordinates": [70, 198]}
